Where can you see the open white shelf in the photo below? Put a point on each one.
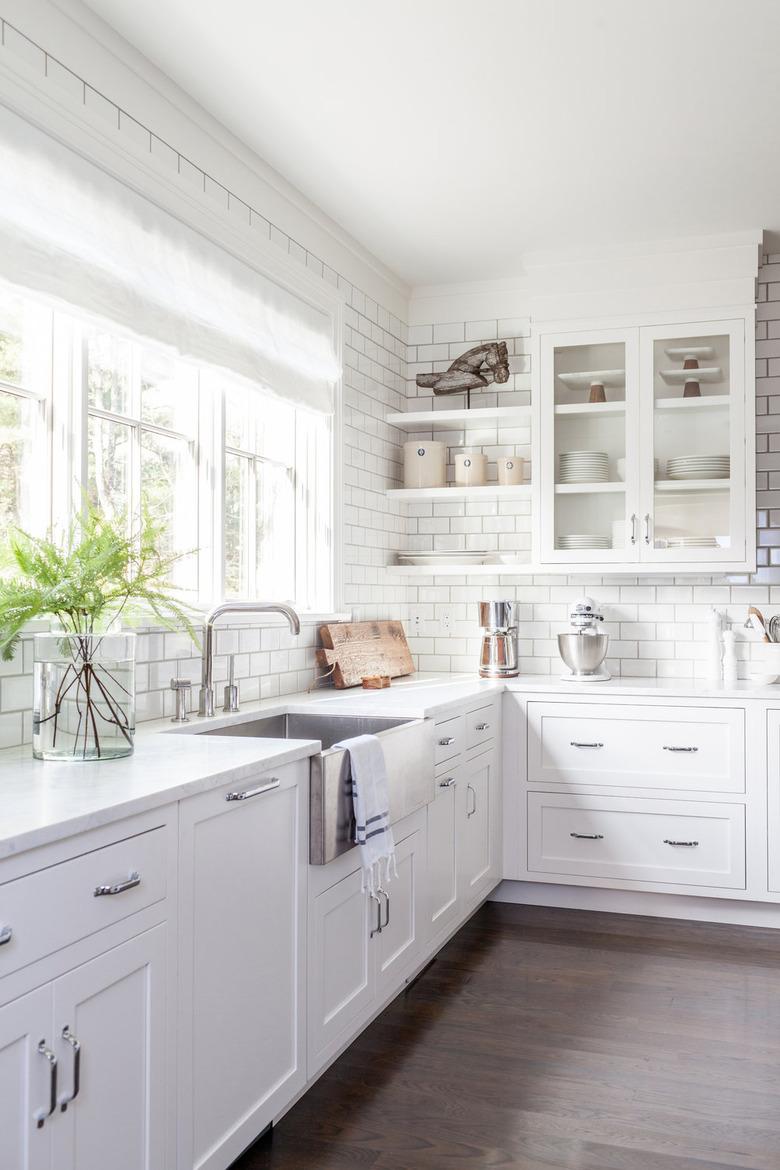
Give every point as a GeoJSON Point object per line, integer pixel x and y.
{"type": "Point", "coordinates": [571, 489]}
{"type": "Point", "coordinates": [459, 420]}
{"type": "Point", "coordinates": [692, 485]}
{"type": "Point", "coordinates": [594, 409]}
{"type": "Point", "coordinates": [519, 568]}
{"type": "Point", "coordinates": [680, 377]}
{"type": "Point", "coordinates": [488, 491]}
{"type": "Point", "coordinates": [711, 402]}
{"type": "Point", "coordinates": [585, 378]}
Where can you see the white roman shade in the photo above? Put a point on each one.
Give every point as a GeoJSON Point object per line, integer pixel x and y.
{"type": "Point", "coordinates": [72, 232]}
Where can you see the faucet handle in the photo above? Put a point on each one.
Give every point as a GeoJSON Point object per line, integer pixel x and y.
{"type": "Point", "coordinates": [181, 689]}
{"type": "Point", "coordinates": [231, 690]}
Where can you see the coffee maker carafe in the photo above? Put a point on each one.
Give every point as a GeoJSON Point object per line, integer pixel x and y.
{"type": "Point", "coordinates": [498, 658]}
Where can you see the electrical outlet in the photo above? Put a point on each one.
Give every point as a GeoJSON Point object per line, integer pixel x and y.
{"type": "Point", "coordinates": [416, 621]}
{"type": "Point", "coordinates": [445, 620]}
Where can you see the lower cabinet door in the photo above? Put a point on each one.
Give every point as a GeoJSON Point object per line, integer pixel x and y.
{"type": "Point", "coordinates": [114, 1086]}
{"type": "Point", "coordinates": [401, 938]}
{"type": "Point", "coordinates": [243, 859]}
{"type": "Point", "coordinates": [442, 862]}
{"type": "Point", "coordinates": [475, 840]}
{"type": "Point", "coordinates": [341, 965]}
{"type": "Point", "coordinates": [26, 1040]}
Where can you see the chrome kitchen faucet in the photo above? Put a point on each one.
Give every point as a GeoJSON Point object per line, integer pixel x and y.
{"type": "Point", "coordinates": [206, 693]}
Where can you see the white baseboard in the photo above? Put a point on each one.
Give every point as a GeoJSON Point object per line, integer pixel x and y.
{"type": "Point", "coordinates": [638, 902]}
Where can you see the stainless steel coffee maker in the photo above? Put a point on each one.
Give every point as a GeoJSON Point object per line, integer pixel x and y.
{"type": "Point", "coordinates": [498, 658]}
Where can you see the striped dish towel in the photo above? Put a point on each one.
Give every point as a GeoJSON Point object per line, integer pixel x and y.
{"type": "Point", "coordinates": [373, 834]}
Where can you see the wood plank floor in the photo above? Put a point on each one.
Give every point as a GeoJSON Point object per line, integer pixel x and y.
{"type": "Point", "coordinates": [546, 1039]}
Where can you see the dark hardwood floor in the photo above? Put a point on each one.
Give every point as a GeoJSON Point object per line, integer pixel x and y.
{"type": "Point", "coordinates": [546, 1039]}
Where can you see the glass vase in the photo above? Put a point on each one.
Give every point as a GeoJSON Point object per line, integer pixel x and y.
{"type": "Point", "coordinates": [83, 696]}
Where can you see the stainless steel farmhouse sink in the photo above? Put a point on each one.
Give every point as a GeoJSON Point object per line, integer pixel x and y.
{"type": "Point", "coordinates": [408, 746]}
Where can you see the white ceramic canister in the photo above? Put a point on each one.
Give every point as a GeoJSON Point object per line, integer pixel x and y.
{"type": "Point", "coordinates": [425, 464]}
{"type": "Point", "coordinates": [470, 468]}
{"type": "Point", "coordinates": [510, 469]}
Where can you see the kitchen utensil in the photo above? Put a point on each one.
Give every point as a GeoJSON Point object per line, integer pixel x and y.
{"type": "Point", "coordinates": [425, 464]}
{"type": "Point", "coordinates": [498, 656]}
{"type": "Point", "coordinates": [584, 649]}
{"type": "Point", "coordinates": [470, 469]}
{"type": "Point", "coordinates": [510, 470]}
{"type": "Point", "coordinates": [755, 621]}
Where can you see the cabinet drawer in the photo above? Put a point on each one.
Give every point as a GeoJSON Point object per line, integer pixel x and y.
{"type": "Point", "coordinates": [481, 726]}
{"type": "Point", "coordinates": [450, 738]}
{"type": "Point", "coordinates": [688, 749]}
{"type": "Point", "coordinates": [55, 907]}
{"type": "Point", "coordinates": [661, 841]}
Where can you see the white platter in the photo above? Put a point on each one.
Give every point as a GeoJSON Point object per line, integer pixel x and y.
{"type": "Point", "coordinates": [679, 353]}
{"type": "Point", "coordinates": [680, 377]}
{"type": "Point", "coordinates": [593, 377]}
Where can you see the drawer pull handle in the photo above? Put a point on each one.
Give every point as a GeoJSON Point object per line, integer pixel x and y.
{"type": "Point", "coordinates": [119, 887]}
{"type": "Point", "coordinates": [448, 741]}
{"type": "Point", "coordinates": [588, 836]}
{"type": "Point", "coordinates": [450, 782]}
{"type": "Point", "coordinates": [249, 792]}
{"type": "Point", "coordinates": [6, 934]}
{"type": "Point", "coordinates": [40, 1115]}
{"type": "Point", "coordinates": [69, 1038]}
{"type": "Point", "coordinates": [680, 749]}
{"type": "Point", "coordinates": [473, 792]}
{"type": "Point", "coordinates": [384, 894]}
{"type": "Point", "coordinates": [574, 743]}
{"type": "Point", "coordinates": [681, 844]}
{"type": "Point", "coordinates": [378, 928]}
{"type": "Point", "coordinates": [482, 727]}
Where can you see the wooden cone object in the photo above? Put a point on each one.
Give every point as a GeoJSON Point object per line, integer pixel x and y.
{"type": "Point", "coordinates": [691, 389]}
{"type": "Point", "coordinates": [597, 392]}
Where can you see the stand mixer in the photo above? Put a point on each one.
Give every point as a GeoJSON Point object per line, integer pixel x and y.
{"type": "Point", "coordinates": [585, 649]}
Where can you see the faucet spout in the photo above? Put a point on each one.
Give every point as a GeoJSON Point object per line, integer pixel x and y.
{"type": "Point", "coordinates": [206, 693]}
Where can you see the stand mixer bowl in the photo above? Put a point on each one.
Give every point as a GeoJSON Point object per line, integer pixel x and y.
{"type": "Point", "coordinates": [583, 653]}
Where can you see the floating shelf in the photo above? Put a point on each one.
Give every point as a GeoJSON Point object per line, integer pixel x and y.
{"type": "Point", "coordinates": [486, 492]}
{"type": "Point", "coordinates": [702, 353]}
{"type": "Point", "coordinates": [692, 485]}
{"type": "Point", "coordinates": [593, 377]}
{"type": "Point", "coordinates": [570, 489]}
{"type": "Point", "coordinates": [680, 377]}
{"type": "Point", "coordinates": [710, 402]}
{"type": "Point", "coordinates": [458, 420]}
{"type": "Point", "coordinates": [520, 568]}
{"type": "Point", "coordinates": [596, 409]}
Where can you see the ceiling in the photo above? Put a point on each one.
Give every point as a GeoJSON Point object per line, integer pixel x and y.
{"type": "Point", "coordinates": [456, 140]}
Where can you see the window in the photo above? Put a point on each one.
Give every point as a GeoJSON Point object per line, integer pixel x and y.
{"type": "Point", "coordinates": [234, 474]}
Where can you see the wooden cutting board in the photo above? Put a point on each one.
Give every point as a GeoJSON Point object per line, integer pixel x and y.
{"type": "Point", "coordinates": [358, 649]}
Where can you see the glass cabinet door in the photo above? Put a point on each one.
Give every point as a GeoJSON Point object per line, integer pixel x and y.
{"type": "Point", "coordinates": [588, 430]}
{"type": "Point", "coordinates": [693, 443]}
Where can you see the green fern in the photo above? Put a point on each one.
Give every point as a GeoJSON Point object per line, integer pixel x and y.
{"type": "Point", "coordinates": [100, 572]}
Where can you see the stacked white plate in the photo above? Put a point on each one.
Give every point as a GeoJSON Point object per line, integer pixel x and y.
{"type": "Point", "coordinates": [444, 558]}
{"type": "Point", "coordinates": [583, 467]}
{"type": "Point", "coordinates": [699, 467]}
{"type": "Point", "coordinates": [573, 541]}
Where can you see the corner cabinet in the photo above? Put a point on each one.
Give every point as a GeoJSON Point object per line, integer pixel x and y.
{"type": "Point", "coordinates": [645, 444]}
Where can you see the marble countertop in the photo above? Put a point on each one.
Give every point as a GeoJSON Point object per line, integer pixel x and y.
{"type": "Point", "coordinates": [45, 801]}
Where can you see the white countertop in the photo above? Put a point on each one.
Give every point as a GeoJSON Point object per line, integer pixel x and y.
{"type": "Point", "coordinates": [46, 801]}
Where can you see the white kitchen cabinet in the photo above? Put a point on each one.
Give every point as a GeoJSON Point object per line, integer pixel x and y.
{"type": "Point", "coordinates": [243, 859]}
{"type": "Point", "coordinates": [443, 814]}
{"type": "Point", "coordinates": [103, 1103]}
{"type": "Point", "coordinates": [476, 842]}
{"type": "Point", "coordinates": [26, 1040]}
{"type": "Point", "coordinates": [400, 941]}
{"type": "Point", "coordinates": [644, 510]}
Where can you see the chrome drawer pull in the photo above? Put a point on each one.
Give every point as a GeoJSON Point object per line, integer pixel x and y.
{"type": "Point", "coordinates": [40, 1115]}
{"type": "Point", "coordinates": [378, 928]}
{"type": "Point", "coordinates": [574, 743]}
{"type": "Point", "coordinates": [682, 844]}
{"type": "Point", "coordinates": [473, 792]}
{"type": "Point", "coordinates": [69, 1038]}
{"type": "Point", "coordinates": [448, 741]}
{"type": "Point", "coordinates": [119, 887]}
{"type": "Point", "coordinates": [588, 836]}
{"type": "Point", "coordinates": [450, 782]}
{"type": "Point", "coordinates": [6, 934]}
{"type": "Point", "coordinates": [248, 792]}
{"type": "Point", "coordinates": [647, 528]}
{"type": "Point", "coordinates": [386, 896]}
{"type": "Point", "coordinates": [680, 749]}
{"type": "Point", "coordinates": [482, 727]}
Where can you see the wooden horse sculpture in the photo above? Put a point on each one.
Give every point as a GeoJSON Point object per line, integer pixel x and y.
{"type": "Point", "coordinates": [473, 370]}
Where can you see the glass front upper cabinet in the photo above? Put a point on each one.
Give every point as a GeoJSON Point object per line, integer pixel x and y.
{"type": "Point", "coordinates": [693, 460]}
{"type": "Point", "coordinates": [645, 447]}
